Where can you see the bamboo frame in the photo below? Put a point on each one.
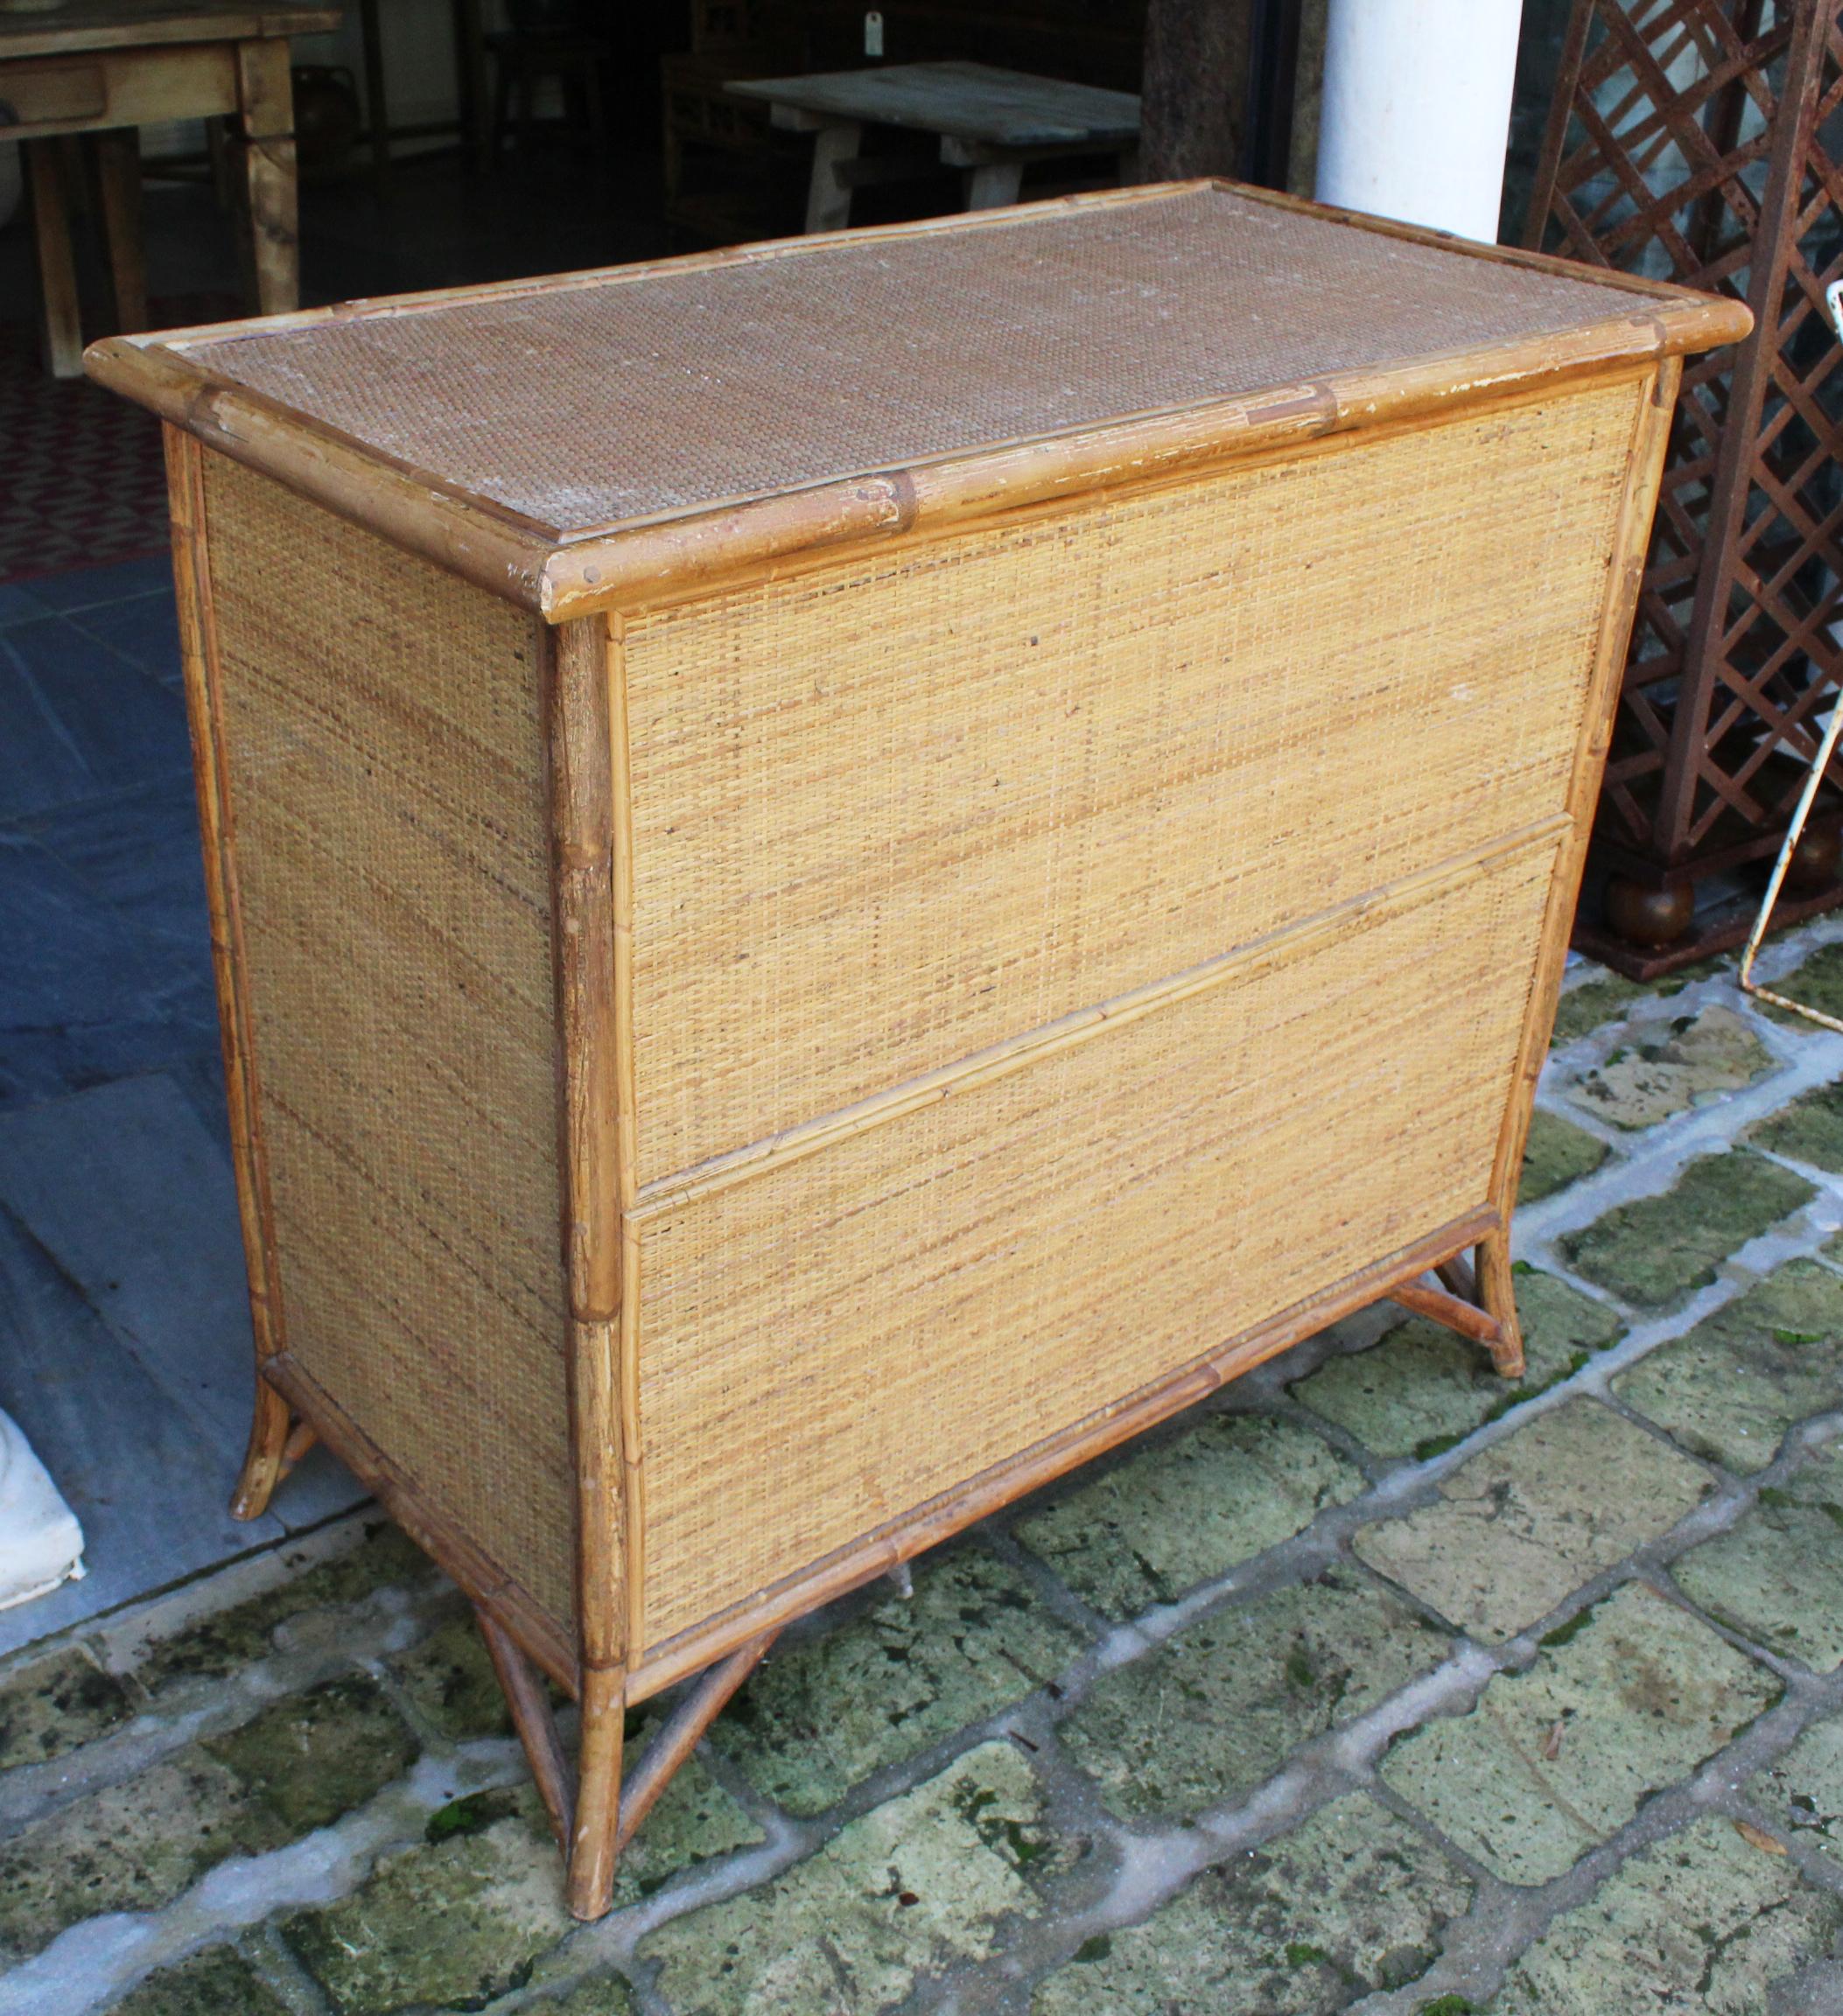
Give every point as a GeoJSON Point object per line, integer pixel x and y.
{"type": "Point", "coordinates": [605, 1660]}
{"type": "Point", "coordinates": [566, 575]}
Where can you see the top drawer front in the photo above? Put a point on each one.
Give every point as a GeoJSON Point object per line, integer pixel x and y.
{"type": "Point", "coordinates": [886, 814]}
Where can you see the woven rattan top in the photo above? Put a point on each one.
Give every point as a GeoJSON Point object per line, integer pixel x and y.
{"type": "Point", "coordinates": [571, 408]}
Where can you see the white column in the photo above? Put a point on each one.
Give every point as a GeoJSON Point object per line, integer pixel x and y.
{"type": "Point", "coordinates": [1417, 109]}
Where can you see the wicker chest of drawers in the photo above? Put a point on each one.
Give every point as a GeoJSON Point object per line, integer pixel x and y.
{"type": "Point", "coordinates": [846, 872]}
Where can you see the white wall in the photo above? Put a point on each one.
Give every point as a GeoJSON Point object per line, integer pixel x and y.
{"type": "Point", "coordinates": [1417, 109]}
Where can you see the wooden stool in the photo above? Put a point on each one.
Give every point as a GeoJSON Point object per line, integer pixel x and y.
{"type": "Point", "coordinates": [522, 60]}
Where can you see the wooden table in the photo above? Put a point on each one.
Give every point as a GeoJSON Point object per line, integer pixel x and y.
{"type": "Point", "coordinates": [111, 66]}
{"type": "Point", "coordinates": [991, 123]}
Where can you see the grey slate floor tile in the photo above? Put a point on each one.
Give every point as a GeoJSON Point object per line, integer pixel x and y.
{"type": "Point", "coordinates": [132, 1198]}
{"type": "Point", "coordinates": [149, 1488]}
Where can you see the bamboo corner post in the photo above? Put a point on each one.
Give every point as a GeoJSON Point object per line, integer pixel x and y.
{"type": "Point", "coordinates": [1693, 139]}
{"type": "Point", "coordinates": [793, 968]}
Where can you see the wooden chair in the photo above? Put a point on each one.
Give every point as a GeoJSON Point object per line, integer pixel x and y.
{"type": "Point", "coordinates": [523, 59]}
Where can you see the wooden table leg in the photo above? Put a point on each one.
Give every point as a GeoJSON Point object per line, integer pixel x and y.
{"type": "Point", "coordinates": [265, 183]}
{"type": "Point", "coordinates": [118, 171]}
{"type": "Point", "coordinates": [62, 322]}
{"type": "Point", "coordinates": [377, 110]}
{"type": "Point", "coordinates": [470, 65]}
{"type": "Point", "coordinates": [828, 199]}
{"type": "Point", "coordinates": [993, 184]}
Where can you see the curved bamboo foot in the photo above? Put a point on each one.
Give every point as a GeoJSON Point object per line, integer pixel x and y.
{"type": "Point", "coordinates": [1497, 1292]}
{"type": "Point", "coordinates": [277, 1442]}
{"type": "Point", "coordinates": [1483, 1308]}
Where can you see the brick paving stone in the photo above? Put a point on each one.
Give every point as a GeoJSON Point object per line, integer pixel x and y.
{"type": "Point", "coordinates": [1350, 1902]}
{"type": "Point", "coordinates": [1185, 1511]}
{"type": "Point", "coordinates": [606, 1995]}
{"type": "Point", "coordinates": [466, 1915]}
{"type": "Point", "coordinates": [1549, 1762]}
{"type": "Point", "coordinates": [460, 1920]}
{"type": "Point", "coordinates": [1556, 1154]}
{"type": "Point", "coordinates": [1655, 1250]}
{"type": "Point", "coordinates": [915, 1885]}
{"type": "Point", "coordinates": [450, 1679]}
{"type": "Point", "coordinates": [1222, 1704]}
{"type": "Point", "coordinates": [137, 1846]}
{"type": "Point", "coordinates": [1703, 1924]}
{"type": "Point", "coordinates": [1730, 1387]}
{"type": "Point", "coordinates": [1804, 1791]}
{"type": "Point", "coordinates": [1809, 1130]}
{"type": "Point", "coordinates": [1421, 1389]}
{"type": "Point", "coordinates": [132, 1847]}
{"type": "Point", "coordinates": [1519, 1525]}
{"type": "Point", "coordinates": [822, 1714]}
{"type": "Point", "coordinates": [55, 1706]}
{"type": "Point", "coordinates": [233, 1638]}
{"type": "Point", "coordinates": [1663, 1069]}
{"type": "Point", "coordinates": [318, 1754]}
{"type": "Point", "coordinates": [1777, 1575]}
{"type": "Point", "coordinates": [217, 1981]}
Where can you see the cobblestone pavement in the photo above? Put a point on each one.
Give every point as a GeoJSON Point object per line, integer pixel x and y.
{"type": "Point", "coordinates": [1374, 1684]}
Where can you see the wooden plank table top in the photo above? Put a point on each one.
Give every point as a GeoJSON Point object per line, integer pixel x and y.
{"type": "Point", "coordinates": [107, 67]}
{"type": "Point", "coordinates": [990, 121]}
{"type": "Point", "coordinates": [88, 25]}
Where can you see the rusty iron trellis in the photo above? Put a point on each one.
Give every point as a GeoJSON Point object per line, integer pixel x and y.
{"type": "Point", "coordinates": [1692, 140]}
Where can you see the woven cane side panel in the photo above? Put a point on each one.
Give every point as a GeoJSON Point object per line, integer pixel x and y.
{"type": "Point", "coordinates": [886, 814]}
{"type": "Point", "coordinates": [384, 724]}
{"type": "Point", "coordinates": [829, 1344]}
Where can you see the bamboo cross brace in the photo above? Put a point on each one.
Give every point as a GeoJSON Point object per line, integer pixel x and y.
{"type": "Point", "coordinates": [592, 1862]}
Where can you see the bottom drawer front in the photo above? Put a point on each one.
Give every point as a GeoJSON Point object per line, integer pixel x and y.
{"type": "Point", "coordinates": [830, 1342]}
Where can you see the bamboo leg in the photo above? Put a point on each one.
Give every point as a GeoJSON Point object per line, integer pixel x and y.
{"type": "Point", "coordinates": [607, 1817]}
{"type": "Point", "coordinates": [1481, 1306]}
{"type": "Point", "coordinates": [1497, 1292]}
{"type": "Point", "coordinates": [267, 1460]}
{"type": "Point", "coordinates": [1458, 1276]}
{"type": "Point", "coordinates": [589, 1889]}
{"type": "Point", "coordinates": [523, 1687]}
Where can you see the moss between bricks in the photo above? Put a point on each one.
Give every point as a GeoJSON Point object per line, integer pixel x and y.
{"type": "Point", "coordinates": [137, 1846]}
{"type": "Point", "coordinates": [1809, 1130]}
{"type": "Point", "coordinates": [1421, 1389]}
{"type": "Point", "coordinates": [217, 1981]}
{"type": "Point", "coordinates": [233, 1638]}
{"type": "Point", "coordinates": [1655, 1250]}
{"type": "Point", "coordinates": [1183, 1510]}
{"type": "Point", "coordinates": [824, 1713]}
{"type": "Point", "coordinates": [56, 1705]}
{"type": "Point", "coordinates": [1556, 1154]}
